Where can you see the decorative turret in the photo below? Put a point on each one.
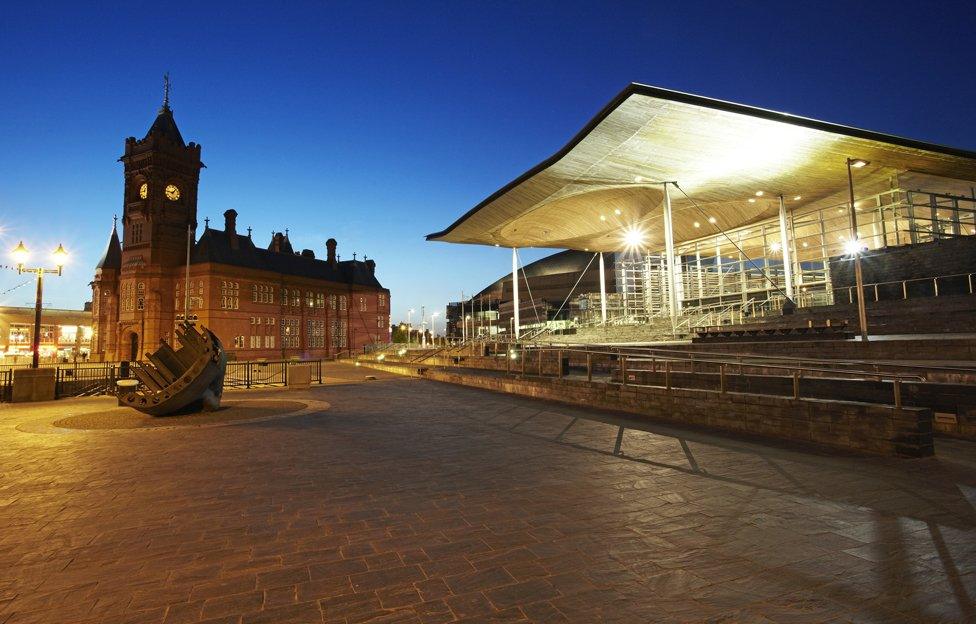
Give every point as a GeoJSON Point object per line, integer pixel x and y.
{"type": "Point", "coordinates": [112, 258]}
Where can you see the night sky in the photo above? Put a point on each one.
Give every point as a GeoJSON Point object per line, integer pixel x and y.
{"type": "Point", "coordinates": [378, 123]}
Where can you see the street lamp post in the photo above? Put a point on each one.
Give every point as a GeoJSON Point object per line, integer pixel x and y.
{"type": "Point", "coordinates": [20, 255]}
{"type": "Point", "coordinates": [862, 315]}
{"type": "Point", "coordinates": [409, 325]}
{"type": "Point", "coordinates": [423, 327]}
{"type": "Point", "coordinates": [432, 334]}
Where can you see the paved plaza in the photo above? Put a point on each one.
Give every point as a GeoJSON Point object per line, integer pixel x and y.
{"type": "Point", "coordinates": [405, 500]}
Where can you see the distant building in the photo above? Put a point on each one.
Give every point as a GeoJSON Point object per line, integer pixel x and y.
{"type": "Point", "coordinates": [262, 302]}
{"type": "Point", "coordinates": [65, 334]}
{"type": "Point", "coordinates": [560, 287]}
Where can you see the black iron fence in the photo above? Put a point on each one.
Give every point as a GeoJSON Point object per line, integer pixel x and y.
{"type": "Point", "coordinates": [85, 380]}
{"type": "Point", "coordinates": [6, 384]}
{"type": "Point", "coordinates": [99, 378]}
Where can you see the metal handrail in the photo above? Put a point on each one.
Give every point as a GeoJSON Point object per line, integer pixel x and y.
{"type": "Point", "coordinates": [872, 368]}
{"type": "Point", "coordinates": [904, 285]}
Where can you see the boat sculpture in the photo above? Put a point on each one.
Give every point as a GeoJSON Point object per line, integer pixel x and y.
{"type": "Point", "coordinates": [190, 378]}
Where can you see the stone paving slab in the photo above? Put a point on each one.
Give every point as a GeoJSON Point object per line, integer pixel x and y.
{"type": "Point", "coordinates": [404, 500]}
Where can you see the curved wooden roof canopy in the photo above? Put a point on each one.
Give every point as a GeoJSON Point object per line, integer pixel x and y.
{"type": "Point", "coordinates": [607, 179]}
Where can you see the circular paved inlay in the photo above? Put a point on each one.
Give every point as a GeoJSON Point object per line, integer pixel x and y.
{"type": "Point", "coordinates": [229, 412]}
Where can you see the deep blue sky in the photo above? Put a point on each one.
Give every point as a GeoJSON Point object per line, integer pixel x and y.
{"type": "Point", "coordinates": [377, 123]}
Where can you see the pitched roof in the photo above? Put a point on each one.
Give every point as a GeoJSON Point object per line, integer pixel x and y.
{"type": "Point", "coordinates": [215, 246]}
{"type": "Point", "coordinates": [112, 258]}
{"type": "Point", "coordinates": [165, 126]}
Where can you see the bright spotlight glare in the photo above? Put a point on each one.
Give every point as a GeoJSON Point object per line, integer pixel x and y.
{"type": "Point", "coordinates": [776, 247]}
{"type": "Point", "coordinates": [633, 237]}
{"type": "Point", "coordinates": [853, 247]}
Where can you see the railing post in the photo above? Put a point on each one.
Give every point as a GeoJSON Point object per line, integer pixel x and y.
{"type": "Point", "coordinates": [540, 362]}
{"type": "Point", "coordinates": [589, 366]}
{"type": "Point", "coordinates": [721, 377]}
{"type": "Point", "coordinates": [875, 292]}
{"type": "Point", "coordinates": [508, 360]}
{"type": "Point", "coordinates": [897, 389]}
{"type": "Point", "coordinates": [796, 384]}
{"type": "Point", "coordinates": [285, 366]}
{"type": "Point", "coordinates": [667, 375]}
{"type": "Point", "coordinates": [935, 285]}
{"type": "Point", "coordinates": [559, 363]}
{"type": "Point", "coordinates": [623, 370]}
{"type": "Point", "coordinates": [522, 358]}
{"type": "Point", "coordinates": [904, 289]}
{"type": "Point", "coordinates": [247, 374]}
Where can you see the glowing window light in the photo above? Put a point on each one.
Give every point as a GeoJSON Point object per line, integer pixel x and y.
{"type": "Point", "coordinates": [697, 224]}
{"type": "Point", "coordinates": [760, 193]}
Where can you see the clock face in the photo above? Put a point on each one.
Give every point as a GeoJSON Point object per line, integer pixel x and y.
{"type": "Point", "coordinates": [144, 191]}
{"type": "Point", "coordinates": [172, 193]}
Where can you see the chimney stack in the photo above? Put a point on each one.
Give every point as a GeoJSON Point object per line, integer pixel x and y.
{"type": "Point", "coordinates": [330, 246]}
{"type": "Point", "coordinates": [230, 222]}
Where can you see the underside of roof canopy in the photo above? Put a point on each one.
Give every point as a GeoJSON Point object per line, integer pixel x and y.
{"type": "Point", "coordinates": [608, 178]}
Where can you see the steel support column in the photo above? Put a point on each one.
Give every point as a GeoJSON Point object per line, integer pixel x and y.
{"type": "Point", "coordinates": [784, 242]}
{"type": "Point", "coordinates": [515, 293]}
{"type": "Point", "coordinates": [669, 255]}
{"type": "Point", "coordinates": [603, 292]}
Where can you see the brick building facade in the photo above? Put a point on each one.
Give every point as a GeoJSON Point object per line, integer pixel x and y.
{"type": "Point", "coordinates": [261, 302]}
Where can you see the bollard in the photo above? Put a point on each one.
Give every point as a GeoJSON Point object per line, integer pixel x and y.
{"type": "Point", "coordinates": [623, 370]}
{"type": "Point", "coordinates": [589, 367]}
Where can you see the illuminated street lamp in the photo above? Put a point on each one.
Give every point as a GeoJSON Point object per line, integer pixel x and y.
{"type": "Point", "coordinates": [20, 255]}
{"type": "Point", "coordinates": [855, 247]}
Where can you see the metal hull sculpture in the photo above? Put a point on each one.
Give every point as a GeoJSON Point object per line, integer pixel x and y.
{"type": "Point", "coordinates": [190, 378]}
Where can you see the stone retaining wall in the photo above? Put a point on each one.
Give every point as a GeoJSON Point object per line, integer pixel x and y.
{"type": "Point", "coordinates": [852, 426]}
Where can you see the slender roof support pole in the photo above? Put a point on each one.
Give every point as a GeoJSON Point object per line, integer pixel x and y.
{"type": "Point", "coordinates": [669, 255]}
{"type": "Point", "coordinates": [784, 242]}
{"type": "Point", "coordinates": [603, 293]}
{"type": "Point", "coordinates": [858, 275]}
{"type": "Point", "coordinates": [515, 297]}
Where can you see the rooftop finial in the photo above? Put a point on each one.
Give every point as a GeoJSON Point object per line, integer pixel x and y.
{"type": "Point", "coordinates": [286, 232]}
{"type": "Point", "coordinates": [206, 223]}
{"type": "Point", "coordinates": [115, 222]}
{"type": "Point", "coordinates": [249, 232]}
{"type": "Point", "coordinates": [166, 87]}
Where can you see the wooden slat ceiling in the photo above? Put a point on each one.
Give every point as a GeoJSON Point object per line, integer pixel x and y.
{"type": "Point", "coordinates": [719, 153]}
